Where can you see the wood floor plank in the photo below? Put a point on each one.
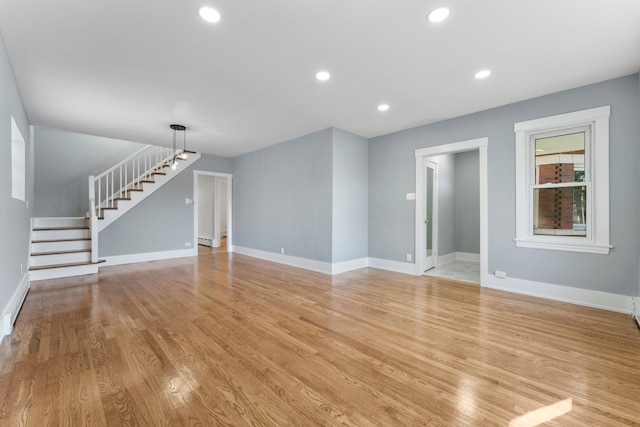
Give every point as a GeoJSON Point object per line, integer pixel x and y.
{"type": "Point", "coordinates": [225, 339]}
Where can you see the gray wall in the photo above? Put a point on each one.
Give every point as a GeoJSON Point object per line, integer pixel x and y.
{"type": "Point", "coordinates": [350, 196]}
{"type": "Point", "coordinates": [446, 203]}
{"type": "Point", "coordinates": [282, 197]}
{"type": "Point", "coordinates": [467, 210]}
{"type": "Point", "coordinates": [392, 174]}
{"type": "Point", "coordinates": [458, 203]}
{"type": "Point", "coordinates": [63, 163]}
{"type": "Point", "coordinates": [206, 206]}
{"type": "Point", "coordinates": [14, 214]}
{"type": "Point", "coordinates": [162, 222]}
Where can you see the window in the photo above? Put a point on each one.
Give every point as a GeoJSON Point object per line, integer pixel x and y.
{"type": "Point", "coordinates": [18, 163]}
{"type": "Point", "coordinates": [562, 182]}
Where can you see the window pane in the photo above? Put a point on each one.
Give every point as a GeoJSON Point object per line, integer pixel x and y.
{"type": "Point", "coordinates": [558, 158]}
{"type": "Point", "coordinates": [560, 211]}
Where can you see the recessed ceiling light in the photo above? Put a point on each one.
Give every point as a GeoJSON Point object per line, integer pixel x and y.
{"type": "Point", "coordinates": [209, 14]}
{"type": "Point", "coordinates": [483, 74]}
{"type": "Point", "coordinates": [438, 15]}
{"type": "Point", "coordinates": [323, 76]}
{"type": "Point", "coordinates": [383, 107]}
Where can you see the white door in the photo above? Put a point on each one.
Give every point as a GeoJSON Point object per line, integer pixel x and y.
{"type": "Point", "coordinates": [430, 214]}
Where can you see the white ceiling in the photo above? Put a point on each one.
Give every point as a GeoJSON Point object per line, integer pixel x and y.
{"type": "Point", "coordinates": [127, 69]}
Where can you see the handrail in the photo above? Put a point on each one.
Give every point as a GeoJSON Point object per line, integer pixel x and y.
{"type": "Point", "coordinates": [123, 162]}
{"type": "Point", "coordinates": [127, 174]}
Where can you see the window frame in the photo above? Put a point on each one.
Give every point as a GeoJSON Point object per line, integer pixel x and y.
{"type": "Point", "coordinates": [18, 163]}
{"type": "Point", "coordinates": [596, 162]}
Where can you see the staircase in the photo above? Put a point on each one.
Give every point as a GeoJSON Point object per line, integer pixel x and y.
{"type": "Point", "coordinates": [63, 247]}
{"type": "Point", "coordinates": [117, 190]}
{"type": "Point", "coordinates": [60, 247]}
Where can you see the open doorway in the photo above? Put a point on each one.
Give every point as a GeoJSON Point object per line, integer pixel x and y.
{"type": "Point", "coordinates": [213, 211]}
{"type": "Point", "coordinates": [452, 206]}
{"type": "Point", "coordinates": [435, 242]}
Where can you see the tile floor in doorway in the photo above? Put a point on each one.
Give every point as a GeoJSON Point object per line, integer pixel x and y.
{"type": "Point", "coordinates": [465, 271]}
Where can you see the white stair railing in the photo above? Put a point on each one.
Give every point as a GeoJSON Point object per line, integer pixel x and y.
{"type": "Point", "coordinates": [114, 183]}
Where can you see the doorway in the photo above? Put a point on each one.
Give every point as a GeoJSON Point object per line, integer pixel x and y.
{"type": "Point", "coordinates": [421, 206]}
{"type": "Point", "coordinates": [431, 214]}
{"type": "Point", "coordinates": [213, 210]}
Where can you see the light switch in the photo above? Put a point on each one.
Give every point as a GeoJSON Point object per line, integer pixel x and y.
{"type": "Point", "coordinates": [411, 196]}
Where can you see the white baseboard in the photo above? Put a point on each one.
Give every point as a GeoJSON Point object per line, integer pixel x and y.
{"type": "Point", "coordinates": [11, 310]}
{"type": "Point", "coordinates": [396, 266]}
{"type": "Point", "coordinates": [354, 264]}
{"type": "Point", "coordinates": [307, 264]}
{"type": "Point", "coordinates": [444, 259]}
{"type": "Point", "coordinates": [458, 256]}
{"type": "Point", "coordinates": [467, 256]}
{"type": "Point", "coordinates": [325, 267]}
{"type": "Point", "coordinates": [589, 298]}
{"type": "Point", "coordinates": [636, 309]}
{"type": "Point", "coordinates": [148, 256]}
{"type": "Point", "coordinates": [586, 297]}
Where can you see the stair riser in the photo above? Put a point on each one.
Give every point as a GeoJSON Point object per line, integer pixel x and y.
{"type": "Point", "coordinates": [62, 272]}
{"type": "Point", "coordinates": [59, 222]}
{"type": "Point", "coordinates": [73, 245]}
{"type": "Point", "coordinates": [37, 261]}
{"type": "Point", "coordinates": [60, 234]}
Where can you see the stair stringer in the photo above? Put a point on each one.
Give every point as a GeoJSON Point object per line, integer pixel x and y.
{"type": "Point", "coordinates": [110, 215]}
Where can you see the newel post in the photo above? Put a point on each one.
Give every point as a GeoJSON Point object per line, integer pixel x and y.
{"type": "Point", "coordinates": [93, 220]}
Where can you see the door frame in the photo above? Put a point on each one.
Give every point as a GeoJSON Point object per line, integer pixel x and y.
{"type": "Point", "coordinates": [434, 213]}
{"type": "Point", "coordinates": [480, 144]}
{"type": "Point", "coordinates": [196, 174]}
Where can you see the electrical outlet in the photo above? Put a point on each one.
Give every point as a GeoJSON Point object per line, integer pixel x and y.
{"type": "Point", "coordinates": [500, 274]}
{"type": "Point", "coordinates": [282, 251]}
{"type": "Point", "coordinates": [409, 257]}
{"type": "Point", "coordinates": [187, 244]}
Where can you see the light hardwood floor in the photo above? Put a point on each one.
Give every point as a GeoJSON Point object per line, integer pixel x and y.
{"type": "Point", "coordinates": [230, 340]}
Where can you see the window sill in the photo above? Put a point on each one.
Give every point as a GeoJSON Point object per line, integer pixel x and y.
{"type": "Point", "coordinates": [567, 247]}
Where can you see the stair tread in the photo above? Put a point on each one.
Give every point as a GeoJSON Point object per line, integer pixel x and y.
{"type": "Point", "coordinates": [111, 209]}
{"type": "Point", "coordinates": [68, 227]}
{"type": "Point", "coordinates": [61, 240]}
{"type": "Point", "coordinates": [71, 264]}
{"type": "Point", "coordinates": [158, 173]}
{"type": "Point", "coordinates": [122, 198]}
{"type": "Point", "coordinates": [74, 251]}
{"type": "Point", "coordinates": [147, 181]}
{"type": "Point", "coordinates": [134, 189]}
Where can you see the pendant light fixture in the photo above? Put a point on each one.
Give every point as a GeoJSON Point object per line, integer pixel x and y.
{"type": "Point", "coordinates": [182, 154]}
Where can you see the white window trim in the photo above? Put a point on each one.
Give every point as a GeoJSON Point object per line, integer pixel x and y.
{"type": "Point", "coordinates": [597, 240]}
{"type": "Point", "coordinates": [18, 163]}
